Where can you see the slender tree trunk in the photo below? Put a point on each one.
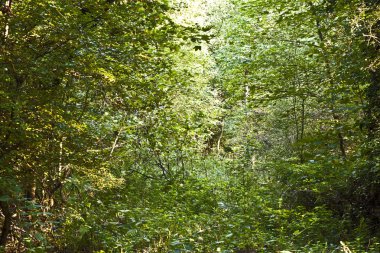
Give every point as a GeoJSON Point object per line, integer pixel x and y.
{"type": "Point", "coordinates": [302, 130]}
{"type": "Point", "coordinates": [302, 118]}
{"type": "Point", "coordinates": [4, 205]}
{"type": "Point", "coordinates": [7, 11]}
{"type": "Point", "coordinates": [6, 228]}
{"type": "Point", "coordinates": [296, 118]}
{"type": "Point", "coordinates": [220, 137]}
{"type": "Point", "coordinates": [373, 111]}
{"type": "Point", "coordinates": [331, 80]}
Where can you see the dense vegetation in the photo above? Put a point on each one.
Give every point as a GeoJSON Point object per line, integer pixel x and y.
{"type": "Point", "coordinates": [198, 126]}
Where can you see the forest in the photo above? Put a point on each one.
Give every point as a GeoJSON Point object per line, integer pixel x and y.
{"type": "Point", "coordinates": [173, 126]}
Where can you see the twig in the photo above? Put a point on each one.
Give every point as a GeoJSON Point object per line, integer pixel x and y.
{"type": "Point", "coordinates": [345, 248]}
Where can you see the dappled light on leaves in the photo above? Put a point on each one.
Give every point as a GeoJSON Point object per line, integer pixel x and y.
{"type": "Point", "coordinates": [189, 126]}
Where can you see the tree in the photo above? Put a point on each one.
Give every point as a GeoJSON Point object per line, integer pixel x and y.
{"type": "Point", "coordinates": [71, 75]}
{"type": "Point", "coordinates": [307, 72]}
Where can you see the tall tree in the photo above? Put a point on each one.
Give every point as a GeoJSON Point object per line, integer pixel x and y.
{"type": "Point", "coordinates": [71, 73]}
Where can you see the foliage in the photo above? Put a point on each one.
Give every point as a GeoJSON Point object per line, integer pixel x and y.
{"type": "Point", "coordinates": [210, 126]}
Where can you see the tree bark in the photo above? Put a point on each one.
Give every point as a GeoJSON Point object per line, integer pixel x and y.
{"type": "Point", "coordinates": [332, 105]}
{"type": "Point", "coordinates": [373, 112]}
{"type": "Point", "coordinates": [6, 228]}
{"type": "Point", "coordinates": [7, 11]}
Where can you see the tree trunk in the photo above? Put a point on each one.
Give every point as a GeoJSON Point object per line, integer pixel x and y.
{"type": "Point", "coordinates": [373, 111]}
{"type": "Point", "coordinates": [7, 11]}
{"type": "Point", "coordinates": [332, 105]}
{"type": "Point", "coordinates": [6, 229]}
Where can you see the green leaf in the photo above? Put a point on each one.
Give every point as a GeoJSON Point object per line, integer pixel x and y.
{"type": "Point", "coordinates": [4, 198]}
